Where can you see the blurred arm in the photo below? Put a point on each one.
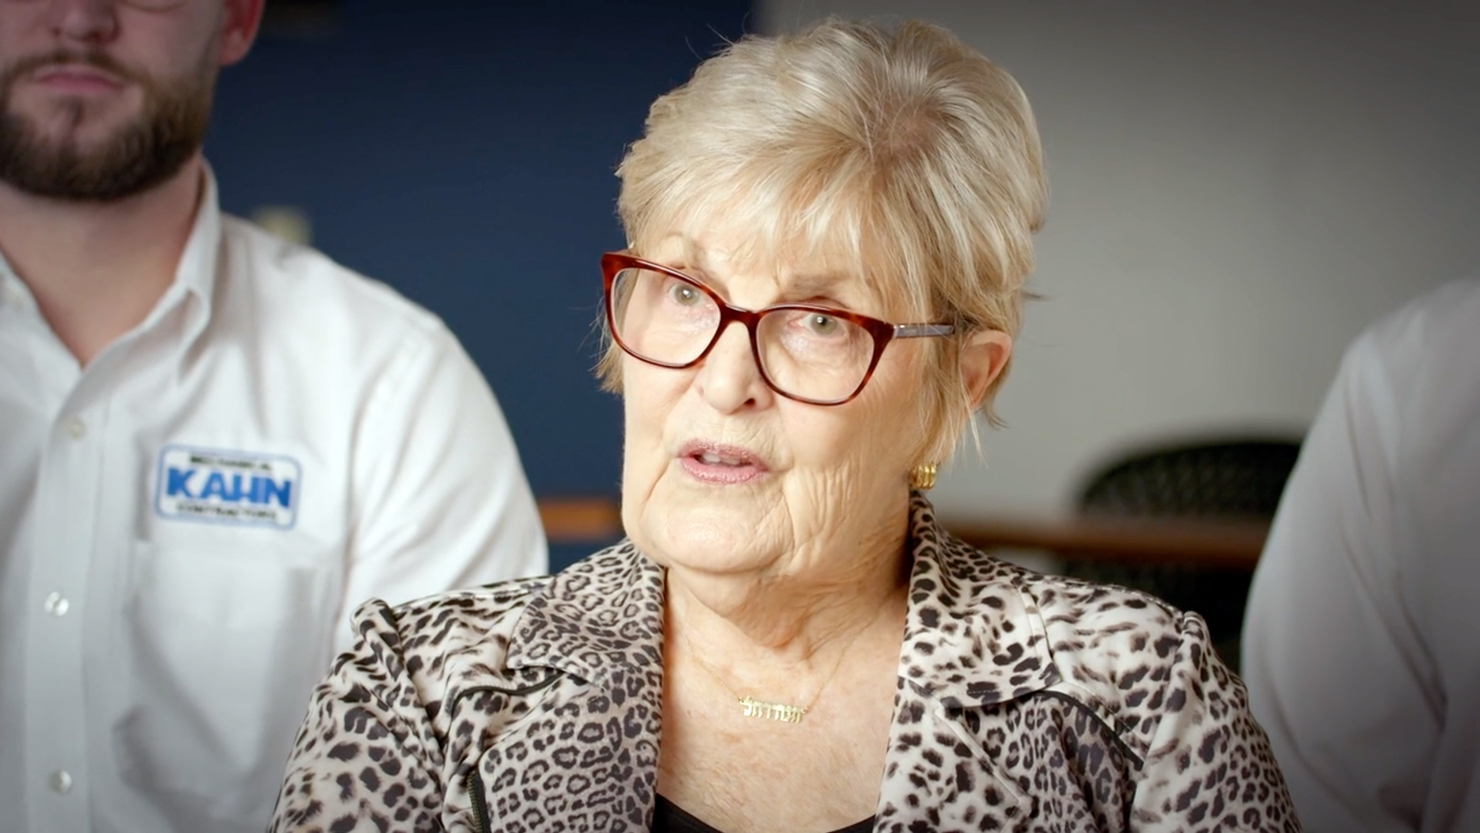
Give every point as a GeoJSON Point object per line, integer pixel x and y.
{"type": "Point", "coordinates": [441, 500]}
{"type": "Point", "coordinates": [1336, 671]}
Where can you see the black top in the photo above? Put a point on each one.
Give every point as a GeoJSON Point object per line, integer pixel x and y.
{"type": "Point", "coordinates": [671, 818]}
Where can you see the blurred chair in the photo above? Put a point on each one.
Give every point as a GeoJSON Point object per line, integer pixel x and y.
{"type": "Point", "coordinates": [1229, 479]}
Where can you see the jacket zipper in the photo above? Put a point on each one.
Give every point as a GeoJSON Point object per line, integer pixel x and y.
{"type": "Point", "coordinates": [474, 781]}
{"type": "Point", "coordinates": [480, 802]}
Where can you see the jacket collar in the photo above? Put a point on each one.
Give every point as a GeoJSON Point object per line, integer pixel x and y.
{"type": "Point", "coordinates": [972, 636]}
{"type": "Point", "coordinates": [594, 617]}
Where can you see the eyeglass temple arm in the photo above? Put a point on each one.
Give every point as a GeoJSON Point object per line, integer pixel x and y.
{"type": "Point", "coordinates": [922, 330]}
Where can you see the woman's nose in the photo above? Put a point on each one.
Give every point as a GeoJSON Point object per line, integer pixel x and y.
{"type": "Point", "coordinates": [729, 378]}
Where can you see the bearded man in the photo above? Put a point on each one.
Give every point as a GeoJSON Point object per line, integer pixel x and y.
{"type": "Point", "coordinates": [213, 443]}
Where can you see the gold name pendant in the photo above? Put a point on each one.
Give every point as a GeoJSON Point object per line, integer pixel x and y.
{"type": "Point", "coordinates": [773, 711]}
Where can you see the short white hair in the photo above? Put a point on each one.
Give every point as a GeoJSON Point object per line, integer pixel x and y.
{"type": "Point", "coordinates": [902, 147]}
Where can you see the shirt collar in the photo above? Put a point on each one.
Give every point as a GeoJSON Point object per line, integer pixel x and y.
{"type": "Point", "coordinates": [197, 272]}
{"type": "Point", "coordinates": [972, 635]}
{"type": "Point", "coordinates": [13, 291]}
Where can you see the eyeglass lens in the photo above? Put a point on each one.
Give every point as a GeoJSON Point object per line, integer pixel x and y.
{"type": "Point", "coordinates": [804, 353]}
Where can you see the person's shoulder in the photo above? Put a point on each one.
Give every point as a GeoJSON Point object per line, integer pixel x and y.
{"type": "Point", "coordinates": [1447, 304]}
{"type": "Point", "coordinates": [1130, 657]}
{"type": "Point", "coordinates": [453, 622]}
{"type": "Point", "coordinates": [293, 281]}
{"type": "Point", "coordinates": [477, 624]}
{"type": "Point", "coordinates": [1113, 647]}
{"type": "Point", "coordinates": [1069, 605]}
{"type": "Point", "coordinates": [1096, 631]}
{"type": "Point", "coordinates": [1413, 378]}
{"type": "Point", "coordinates": [1441, 325]}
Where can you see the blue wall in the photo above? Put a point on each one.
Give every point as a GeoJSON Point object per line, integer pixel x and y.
{"type": "Point", "coordinates": [464, 154]}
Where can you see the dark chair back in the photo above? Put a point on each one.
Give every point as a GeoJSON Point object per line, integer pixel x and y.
{"type": "Point", "coordinates": [1226, 479]}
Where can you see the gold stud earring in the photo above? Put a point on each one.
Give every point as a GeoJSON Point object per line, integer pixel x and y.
{"type": "Point", "coordinates": [922, 477]}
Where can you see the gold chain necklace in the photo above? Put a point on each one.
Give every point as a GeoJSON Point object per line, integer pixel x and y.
{"type": "Point", "coordinates": [751, 707]}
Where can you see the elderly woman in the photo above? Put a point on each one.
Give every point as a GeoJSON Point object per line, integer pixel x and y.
{"type": "Point", "coordinates": [829, 238]}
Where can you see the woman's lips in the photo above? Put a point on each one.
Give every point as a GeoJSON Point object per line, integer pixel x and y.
{"type": "Point", "coordinates": [724, 464]}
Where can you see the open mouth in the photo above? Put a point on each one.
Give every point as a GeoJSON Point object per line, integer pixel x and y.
{"type": "Point", "coordinates": [713, 463]}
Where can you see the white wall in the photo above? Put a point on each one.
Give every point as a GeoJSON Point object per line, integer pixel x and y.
{"type": "Point", "coordinates": [1238, 188]}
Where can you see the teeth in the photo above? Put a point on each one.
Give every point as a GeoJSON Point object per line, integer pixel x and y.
{"type": "Point", "coordinates": [710, 459]}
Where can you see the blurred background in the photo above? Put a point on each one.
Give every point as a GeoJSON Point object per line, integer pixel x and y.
{"type": "Point", "coordinates": [1238, 189]}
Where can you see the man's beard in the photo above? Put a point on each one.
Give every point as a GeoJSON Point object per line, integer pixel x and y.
{"type": "Point", "coordinates": [135, 157]}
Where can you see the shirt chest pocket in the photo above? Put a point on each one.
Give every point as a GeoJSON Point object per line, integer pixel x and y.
{"type": "Point", "coordinates": [216, 651]}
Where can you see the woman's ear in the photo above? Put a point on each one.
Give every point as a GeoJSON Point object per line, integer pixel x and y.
{"type": "Point", "coordinates": [983, 357]}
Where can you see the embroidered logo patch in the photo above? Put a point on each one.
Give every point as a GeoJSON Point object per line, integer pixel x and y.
{"type": "Point", "coordinates": [234, 487]}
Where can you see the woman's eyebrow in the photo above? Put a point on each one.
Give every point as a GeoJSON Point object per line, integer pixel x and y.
{"type": "Point", "coordinates": [696, 261]}
{"type": "Point", "coordinates": [814, 282]}
{"type": "Point", "coordinates": [692, 259]}
{"type": "Point", "coordinates": [816, 285]}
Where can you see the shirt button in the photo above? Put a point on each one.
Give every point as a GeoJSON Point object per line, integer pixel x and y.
{"type": "Point", "coordinates": [76, 428]}
{"type": "Point", "coordinates": [60, 782]}
{"type": "Point", "coordinates": [57, 605]}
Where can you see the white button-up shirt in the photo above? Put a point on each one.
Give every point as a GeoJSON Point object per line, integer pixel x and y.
{"type": "Point", "coordinates": [186, 523]}
{"type": "Point", "coordinates": [1360, 638]}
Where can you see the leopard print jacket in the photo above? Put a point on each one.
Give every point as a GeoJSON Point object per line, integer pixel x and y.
{"type": "Point", "coordinates": [1025, 702]}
